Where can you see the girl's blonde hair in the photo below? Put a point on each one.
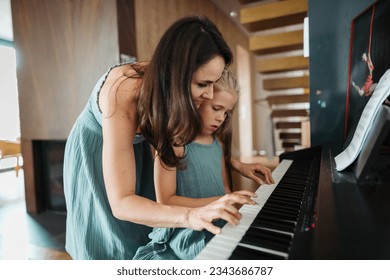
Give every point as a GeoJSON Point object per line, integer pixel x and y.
{"type": "Point", "coordinates": [227, 82]}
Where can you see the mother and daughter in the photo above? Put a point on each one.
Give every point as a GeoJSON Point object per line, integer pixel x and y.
{"type": "Point", "coordinates": [172, 104]}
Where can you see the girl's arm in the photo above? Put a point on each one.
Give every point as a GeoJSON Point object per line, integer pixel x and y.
{"type": "Point", "coordinates": [225, 177]}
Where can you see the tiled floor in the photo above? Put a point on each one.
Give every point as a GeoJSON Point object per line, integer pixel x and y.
{"type": "Point", "coordinates": [24, 236]}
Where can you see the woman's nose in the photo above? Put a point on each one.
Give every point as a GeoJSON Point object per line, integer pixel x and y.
{"type": "Point", "coordinates": [208, 93]}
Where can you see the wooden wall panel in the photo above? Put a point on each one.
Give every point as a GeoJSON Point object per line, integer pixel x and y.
{"type": "Point", "coordinates": [126, 27]}
{"type": "Point", "coordinates": [32, 190]}
{"type": "Point", "coordinates": [154, 17]}
{"type": "Point", "coordinates": [62, 49]}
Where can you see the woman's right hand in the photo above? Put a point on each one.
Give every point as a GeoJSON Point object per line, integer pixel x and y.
{"type": "Point", "coordinates": [223, 208]}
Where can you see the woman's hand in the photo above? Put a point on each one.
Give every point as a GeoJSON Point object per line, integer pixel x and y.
{"type": "Point", "coordinates": [223, 208]}
{"type": "Point", "coordinates": [252, 170]}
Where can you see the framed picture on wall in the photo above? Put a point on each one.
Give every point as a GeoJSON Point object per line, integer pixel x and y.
{"type": "Point", "coordinates": [369, 58]}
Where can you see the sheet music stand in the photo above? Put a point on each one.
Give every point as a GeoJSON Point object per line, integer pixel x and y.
{"type": "Point", "coordinates": [373, 163]}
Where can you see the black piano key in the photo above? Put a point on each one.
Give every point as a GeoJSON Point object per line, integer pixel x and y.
{"type": "Point", "coordinates": [293, 186]}
{"type": "Point", "coordinates": [281, 193]}
{"type": "Point", "coordinates": [302, 176]}
{"type": "Point", "coordinates": [294, 180]}
{"type": "Point", "coordinates": [281, 225]}
{"type": "Point", "coordinates": [267, 239]}
{"type": "Point", "coordinates": [290, 176]}
{"type": "Point", "coordinates": [270, 207]}
{"type": "Point", "coordinates": [289, 215]}
{"type": "Point", "coordinates": [276, 201]}
{"type": "Point", "coordinates": [282, 206]}
{"type": "Point", "coordinates": [279, 214]}
{"type": "Point", "coordinates": [244, 253]}
{"type": "Point", "coordinates": [276, 219]}
{"type": "Point", "coordinates": [284, 200]}
{"type": "Point", "coordinates": [288, 190]}
{"type": "Point", "coordinates": [299, 167]}
{"type": "Point", "coordinates": [285, 205]}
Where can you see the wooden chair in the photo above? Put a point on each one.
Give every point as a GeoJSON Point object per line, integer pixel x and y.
{"type": "Point", "coordinates": [10, 149]}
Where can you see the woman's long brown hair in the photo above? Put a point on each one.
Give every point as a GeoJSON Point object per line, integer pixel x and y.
{"type": "Point", "coordinates": [168, 117]}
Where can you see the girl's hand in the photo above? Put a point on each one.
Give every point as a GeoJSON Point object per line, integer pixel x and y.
{"type": "Point", "coordinates": [253, 170]}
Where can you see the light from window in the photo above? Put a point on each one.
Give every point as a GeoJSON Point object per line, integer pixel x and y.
{"type": "Point", "coordinates": [9, 105]}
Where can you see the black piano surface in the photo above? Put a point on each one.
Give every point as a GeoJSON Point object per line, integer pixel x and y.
{"type": "Point", "coordinates": [350, 219]}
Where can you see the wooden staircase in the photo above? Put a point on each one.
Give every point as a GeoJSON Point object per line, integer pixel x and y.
{"type": "Point", "coordinates": [276, 29]}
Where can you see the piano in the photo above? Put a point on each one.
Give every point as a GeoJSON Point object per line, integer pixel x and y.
{"type": "Point", "coordinates": [313, 212]}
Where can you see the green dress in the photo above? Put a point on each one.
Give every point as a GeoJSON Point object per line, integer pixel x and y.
{"type": "Point", "coordinates": [202, 178]}
{"type": "Point", "coordinates": [92, 232]}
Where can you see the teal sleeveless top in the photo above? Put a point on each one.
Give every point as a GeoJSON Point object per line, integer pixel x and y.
{"type": "Point", "coordinates": [203, 174]}
{"type": "Point", "coordinates": [201, 178]}
{"type": "Point", "coordinates": [92, 232]}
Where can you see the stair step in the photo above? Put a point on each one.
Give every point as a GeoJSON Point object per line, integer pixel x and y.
{"type": "Point", "coordinates": [290, 135]}
{"type": "Point", "coordinates": [273, 14]}
{"type": "Point", "coordinates": [289, 144]}
{"type": "Point", "coordinates": [287, 99]}
{"type": "Point", "coordinates": [286, 125]}
{"type": "Point", "coordinates": [244, 2]}
{"type": "Point", "coordinates": [286, 83]}
{"type": "Point", "coordinates": [279, 42]}
{"type": "Point", "coordinates": [289, 113]}
{"type": "Point", "coordinates": [282, 64]}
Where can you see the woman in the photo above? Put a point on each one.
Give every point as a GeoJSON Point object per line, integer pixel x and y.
{"type": "Point", "coordinates": [108, 167]}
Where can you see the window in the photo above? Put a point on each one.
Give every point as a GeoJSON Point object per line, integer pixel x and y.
{"type": "Point", "coordinates": [9, 105]}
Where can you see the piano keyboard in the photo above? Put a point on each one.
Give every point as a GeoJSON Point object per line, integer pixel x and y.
{"type": "Point", "coordinates": [266, 230]}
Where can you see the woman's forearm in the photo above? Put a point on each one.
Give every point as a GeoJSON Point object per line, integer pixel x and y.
{"type": "Point", "coordinates": [140, 210]}
{"type": "Point", "coordinates": [189, 202]}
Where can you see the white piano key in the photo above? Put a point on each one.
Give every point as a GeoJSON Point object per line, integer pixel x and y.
{"type": "Point", "coordinates": [232, 236]}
